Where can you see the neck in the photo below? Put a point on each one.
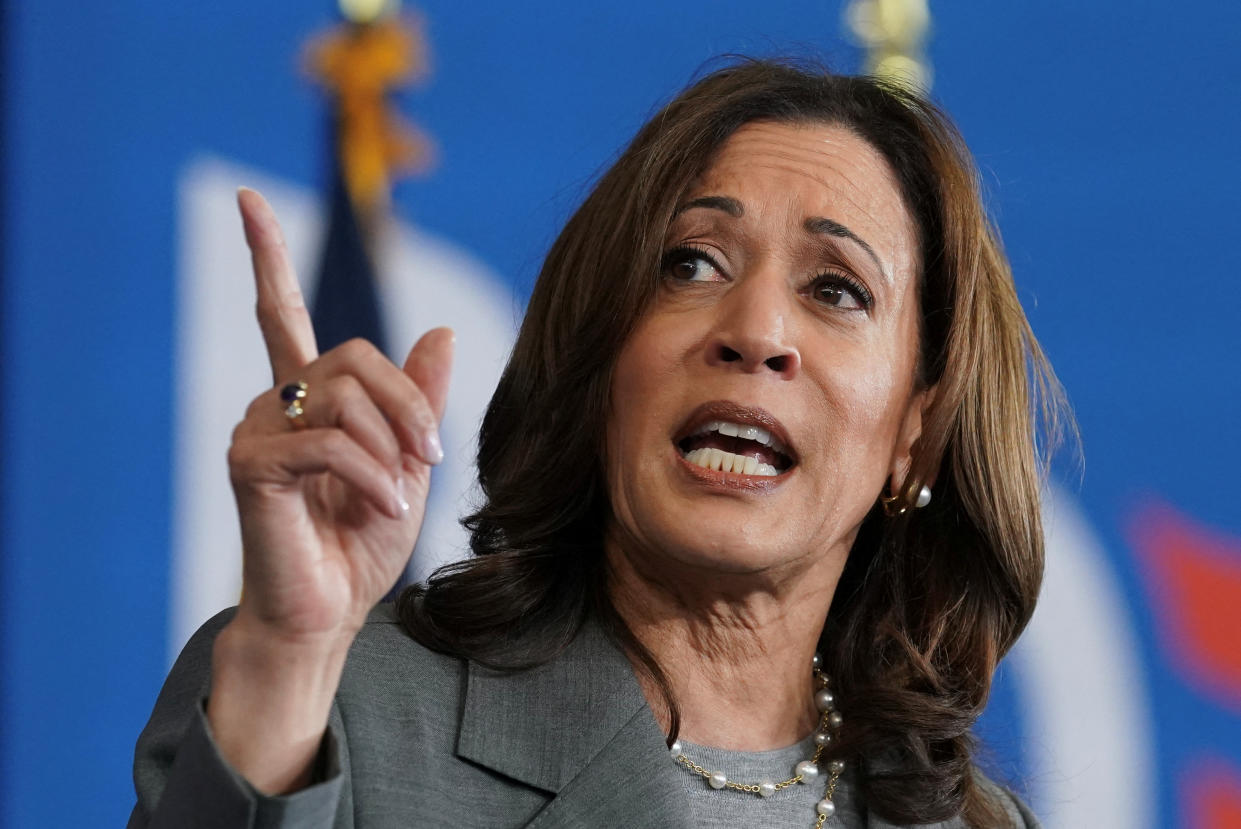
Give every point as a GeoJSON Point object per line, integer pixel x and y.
{"type": "Point", "coordinates": [736, 648]}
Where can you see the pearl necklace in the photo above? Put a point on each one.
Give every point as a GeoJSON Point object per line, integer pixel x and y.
{"type": "Point", "coordinates": [805, 771]}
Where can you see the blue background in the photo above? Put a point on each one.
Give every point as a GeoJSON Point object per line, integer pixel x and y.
{"type": "Point", "coordinates": [1107, 134]}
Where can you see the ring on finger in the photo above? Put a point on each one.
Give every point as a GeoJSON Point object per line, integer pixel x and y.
{"type": "Point", "coordinates": [293, 396]}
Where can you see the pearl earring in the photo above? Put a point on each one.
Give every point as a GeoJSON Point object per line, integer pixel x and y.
{"type": "Point", "coordinates": [924, 497]}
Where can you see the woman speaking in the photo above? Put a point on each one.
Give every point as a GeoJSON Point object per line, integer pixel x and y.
{"type": "Point", "coordinates": [760, 510]}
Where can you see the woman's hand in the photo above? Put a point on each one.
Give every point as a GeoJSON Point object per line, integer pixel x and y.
{"type": "Point", "coordinates": [330, 509]}
{"type": "Point", "coordinates": [329, 512]}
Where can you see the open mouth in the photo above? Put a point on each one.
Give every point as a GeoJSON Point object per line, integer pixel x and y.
{"type": "Point", "coordinates": [735, 443]}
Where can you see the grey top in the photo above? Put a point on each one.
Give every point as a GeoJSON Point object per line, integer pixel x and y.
{"type": "Point", "coordinates": [786, 809]}
{"type": "Point", "coordinates": [417, 739]}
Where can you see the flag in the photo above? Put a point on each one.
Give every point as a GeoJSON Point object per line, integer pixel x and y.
{"type": "Point", "coordinates": [346, 303]}
{"type": "Point", "coordinates": [359, 63]}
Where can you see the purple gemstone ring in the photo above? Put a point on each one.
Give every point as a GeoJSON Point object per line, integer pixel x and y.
{"type": "Point", "coordinates": [294, 397]}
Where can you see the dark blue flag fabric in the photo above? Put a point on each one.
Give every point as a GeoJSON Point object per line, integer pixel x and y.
{"type": "Point", "coordinates": [345, 303]}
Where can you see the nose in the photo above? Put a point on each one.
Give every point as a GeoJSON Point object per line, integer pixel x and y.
{"type": "Point", "coordinates": [753, 333]}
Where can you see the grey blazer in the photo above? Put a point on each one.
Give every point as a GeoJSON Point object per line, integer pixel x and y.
{"type": "Point", "coordinates": [418, 739]}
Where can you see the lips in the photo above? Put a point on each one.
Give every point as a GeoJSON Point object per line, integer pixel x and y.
{"type": "Point", "coordinates": [737, 440]}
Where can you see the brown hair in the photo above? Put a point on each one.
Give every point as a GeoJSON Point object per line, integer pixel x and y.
{"type": "Point", "coordinates": [929, 601]}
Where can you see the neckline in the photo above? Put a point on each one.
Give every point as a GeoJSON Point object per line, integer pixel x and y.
{"type": "Point", "coordinates": [802, 748]}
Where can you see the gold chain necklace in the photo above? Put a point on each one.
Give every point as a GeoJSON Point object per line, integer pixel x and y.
{"type": "Point", "coordinates": [830, 720]}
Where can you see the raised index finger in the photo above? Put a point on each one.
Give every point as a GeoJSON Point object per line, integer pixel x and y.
{"type": "Point", "coordinates": [281, 310]}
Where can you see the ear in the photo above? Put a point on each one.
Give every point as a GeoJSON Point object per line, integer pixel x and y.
{"type": "Point", "coordinates": [907, 439]}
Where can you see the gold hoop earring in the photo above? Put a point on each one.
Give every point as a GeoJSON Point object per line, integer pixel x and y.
{"type": "Point", "coordinates": [893, 505]}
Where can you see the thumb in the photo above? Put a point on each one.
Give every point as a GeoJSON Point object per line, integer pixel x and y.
{"type": "Point", "coordinates": [429, 365]}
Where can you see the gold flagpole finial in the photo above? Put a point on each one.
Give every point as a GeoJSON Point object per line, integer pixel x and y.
{"type": "Point", "coordinates": [367, 11]}
{"type": "Point", "coordinates": [894, 33]}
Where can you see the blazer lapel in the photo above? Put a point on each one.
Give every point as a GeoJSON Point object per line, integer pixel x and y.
{"type": "Point", "coordinates": [631, 782]}
{"type": "Point", "coordinates": [580, 729]}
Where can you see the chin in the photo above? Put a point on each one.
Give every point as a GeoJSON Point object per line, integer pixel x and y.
{"type": "Point", "coordinates": [722, 538]}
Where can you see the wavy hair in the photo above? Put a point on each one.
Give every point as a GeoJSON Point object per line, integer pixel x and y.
{"type": "Point", "coordinates": [930, 600]}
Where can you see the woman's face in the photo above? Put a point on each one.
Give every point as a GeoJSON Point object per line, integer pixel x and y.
{"type": "Point", "coordinates": [768, 393]}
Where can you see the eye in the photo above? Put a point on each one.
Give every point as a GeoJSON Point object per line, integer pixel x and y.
{"type": "Point", "coordinates": [687, 263]}
{"type": "Point", "coordinates": [840, 290]}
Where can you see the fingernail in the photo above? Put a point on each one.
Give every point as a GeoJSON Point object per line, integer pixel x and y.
{"type": "Point", "coordinates": [400, 494]}
{"type": "Point", "coordinates": [430, 448]}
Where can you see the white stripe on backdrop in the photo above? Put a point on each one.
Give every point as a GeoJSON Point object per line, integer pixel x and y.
{"type": "Point", "coordinates": [1088, 741]}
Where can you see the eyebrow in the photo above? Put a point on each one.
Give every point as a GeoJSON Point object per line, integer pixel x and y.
{"type": "Point", "coordinates": [729, 205]}
{"type": "Point", "coordinates": [819, 224]}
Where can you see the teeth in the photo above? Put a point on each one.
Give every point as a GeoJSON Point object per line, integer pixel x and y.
{"type": "Point", "coordinates": [722, 461]}
{"type": "Point", "coordinates": [736, 430]}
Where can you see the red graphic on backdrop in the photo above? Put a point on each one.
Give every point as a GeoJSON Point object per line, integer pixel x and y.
{"type": "Point", "coordinates": [1194, 575]}
{"type": "Point", "coordinates": [1211, 793]}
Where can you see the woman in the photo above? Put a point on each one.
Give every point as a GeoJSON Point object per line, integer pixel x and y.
{"type": "Point", "coordinates": [776, 323]}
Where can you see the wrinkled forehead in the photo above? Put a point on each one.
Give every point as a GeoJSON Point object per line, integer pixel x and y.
{"type": "Point", "coordinates": [785, 173]}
